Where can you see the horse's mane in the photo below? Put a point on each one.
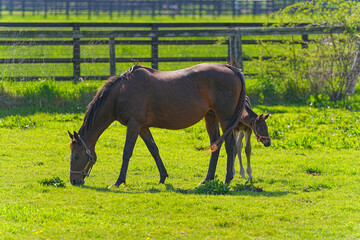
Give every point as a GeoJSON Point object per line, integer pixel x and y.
{"type": "Point", "coordinates": [102, 95]}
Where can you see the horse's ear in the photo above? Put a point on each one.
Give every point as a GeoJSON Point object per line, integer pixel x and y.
{"type": "Point", "coordinates": [70, 135]}
{"type": "Point", "coordinates": [76, 136]}
{"type": "Point", "coordinates": [260, 117]}
{"type": "Point", "coordinates": [266, 116]}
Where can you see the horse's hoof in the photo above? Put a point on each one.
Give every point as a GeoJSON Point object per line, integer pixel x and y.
{"type": "Point", "coordinates": [119, 182]}
{"type": "Point", "coordinates": [113, 185]}
{"type": "Point", "coordinates": [203, 181]}
{"type": "Point", "coordinates": [227, 181]}
{"type": "Point", "coordinates": [249, 181]}
{"type": "Point", "coordinates": [162, 179]}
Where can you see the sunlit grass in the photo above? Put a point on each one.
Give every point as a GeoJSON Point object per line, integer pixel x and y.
{"type": "Point", "coordinates": [306, 192]}
{"type": "Point", "coordinates": [309, 177]}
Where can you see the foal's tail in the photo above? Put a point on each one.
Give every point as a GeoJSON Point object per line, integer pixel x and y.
{"type": "Point", "coordinates": [238, 111]}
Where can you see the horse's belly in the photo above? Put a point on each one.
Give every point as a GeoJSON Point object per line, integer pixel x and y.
{"type": "Point", "coordinates": [179, 119]}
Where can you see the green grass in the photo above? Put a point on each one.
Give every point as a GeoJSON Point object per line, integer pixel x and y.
{"type": "Point", "coordinates": [306, 185]}
{"type": "Point", "coordinates": [309, 179]}
{"type": "Point", "coordinates": [47, 93]}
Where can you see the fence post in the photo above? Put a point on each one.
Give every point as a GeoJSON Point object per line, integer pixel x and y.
{"type": "Point", "coordinates": [23, 8]}
{"type": "Point", "coordinates": [11, 8]}
{"type": "Point", "coordinates": [112, 56]}
{"type": "Point", "coordinates": [305, 41]}
{"type": "Point", "coordinates": [235, 49]}
{"type": "Point", "coordinates": [67, 9]}
{"type": "Point", "coordinates": [76, 55]}
{"type": "Point", "coordinates": [111, 9]}
{"type": "Point", "coordinates": [89, 9]}
{"type": "Point", "coordinates": [76, 8]}
{"type": "Point", "coordinates": [45, 9]}
{"type": "Point", "coordinates": [154, 50]}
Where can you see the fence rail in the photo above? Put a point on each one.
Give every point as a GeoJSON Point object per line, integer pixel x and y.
{"type": "Point", "coordinates": [77, 35]}
{"type": "Point", "coordinates": [143, 7]}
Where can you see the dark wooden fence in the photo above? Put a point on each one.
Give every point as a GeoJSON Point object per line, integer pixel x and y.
{"type": "Point", "coordinates": [143, 7]}
{"type": "Point", "coordinates": [108, 34]}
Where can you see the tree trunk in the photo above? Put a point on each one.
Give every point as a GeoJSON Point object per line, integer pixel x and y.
{"type": "Point", "coordinates": [354, 74]}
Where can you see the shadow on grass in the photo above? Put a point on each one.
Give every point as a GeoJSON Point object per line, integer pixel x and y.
{"type": "Point", "coordinates": [170, 188]}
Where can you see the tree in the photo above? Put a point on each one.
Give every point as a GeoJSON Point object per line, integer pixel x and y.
{"type": "Point", "coordinates": [330, 65]}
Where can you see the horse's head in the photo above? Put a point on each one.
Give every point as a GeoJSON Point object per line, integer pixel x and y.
{"type": "Point", "coordinates": [81, 160]}
{"type": "Point", "coordinates": [261, 130]}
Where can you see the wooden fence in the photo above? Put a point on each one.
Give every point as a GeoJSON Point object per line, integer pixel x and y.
{"type": "Point", "coordinates": [107, 34]}
{"type": "Point", "coordinates": [143, 7]}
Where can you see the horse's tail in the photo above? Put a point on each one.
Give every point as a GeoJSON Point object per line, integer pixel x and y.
{"type": "Point", "coordinates": [238, 110]}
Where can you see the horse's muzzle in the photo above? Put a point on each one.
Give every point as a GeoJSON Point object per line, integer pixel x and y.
{"type": "Point", "coordinates": [267, 143]}
{"type": "Point", "coordinates": [76, 181]}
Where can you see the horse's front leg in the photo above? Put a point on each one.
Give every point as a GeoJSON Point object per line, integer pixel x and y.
{"type": "Point", "coordinates": [145, 134]}
{"type": "Point", "coordinates": [132, 133]}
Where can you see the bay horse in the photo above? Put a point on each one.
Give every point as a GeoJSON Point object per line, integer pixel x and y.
{"type": "Point", "coordinates": [142, 97]}
{"type": "Point", "coordinates": [249, 122]}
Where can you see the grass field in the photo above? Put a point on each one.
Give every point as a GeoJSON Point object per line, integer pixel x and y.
{"type": "Point", "coordinates": [309, 176]}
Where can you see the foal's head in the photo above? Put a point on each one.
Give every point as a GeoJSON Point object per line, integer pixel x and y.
{"type": "Point", "coordinates": [260, 129]}
{"type": "Point", "coordinates": [81, 160]}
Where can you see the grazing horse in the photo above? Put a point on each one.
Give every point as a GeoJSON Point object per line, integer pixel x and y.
{"type": "Point", "coordinates": [249, 122]}
{"type": "Point", "coordinates": [142, 97]}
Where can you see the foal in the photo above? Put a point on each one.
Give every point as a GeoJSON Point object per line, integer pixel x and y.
{"type": "Point", "coordinates": [249, 122]}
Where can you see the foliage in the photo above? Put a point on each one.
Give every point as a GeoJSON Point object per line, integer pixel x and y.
{"type": "Point", "coordinates": [328, 65]}
{"type": "Point", "coordinates": [17, 121]}
{"type": "Point", "coordinates": [54, 181]}
{"type": "Point", "coordinates": [247, 187]}
{"type": "Point", "coordinates": [213, 187]}
{"type": "Point", "coordinates": [46, 93]}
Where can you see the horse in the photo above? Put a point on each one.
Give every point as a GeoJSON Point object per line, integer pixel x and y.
{"type": "Point", "coordinates": [143, 97]}
{"type": "Point", "coordinates": [249, 122]}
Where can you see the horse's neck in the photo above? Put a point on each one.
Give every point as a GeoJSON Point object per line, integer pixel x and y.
{"type": "Point", "coordinates": [91, 133]}
{"type": "Point", "coordinates": [248, 116]}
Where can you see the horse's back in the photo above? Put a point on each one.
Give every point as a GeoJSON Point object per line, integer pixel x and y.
{"type": "Point", "coordinates": [179, 99]}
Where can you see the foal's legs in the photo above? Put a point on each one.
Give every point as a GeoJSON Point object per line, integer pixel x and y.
{"type": "Point", "coordinates": [145, 134]}
{"type": "Point", "coordinates": [132, 133]}
{"type": "Point", "coordinates": [212, 127]}
{"type": "Point", "coordinates": [248, 153]}
{"type": "Point", "coordinates": [239, 150]}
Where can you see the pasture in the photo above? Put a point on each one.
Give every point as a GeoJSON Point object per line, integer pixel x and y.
{"type": "Point", "coordinates": [309, 179]}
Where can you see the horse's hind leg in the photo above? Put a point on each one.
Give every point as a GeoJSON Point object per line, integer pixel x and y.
{"type": "Point", "coordinates": [145, 134]}
{"type": "Point", "coordinates": [132, 133]}
{"type": "Point", "coordinates": [212, 127]}
{"type": "Point", "coordinates": [229, 146]}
